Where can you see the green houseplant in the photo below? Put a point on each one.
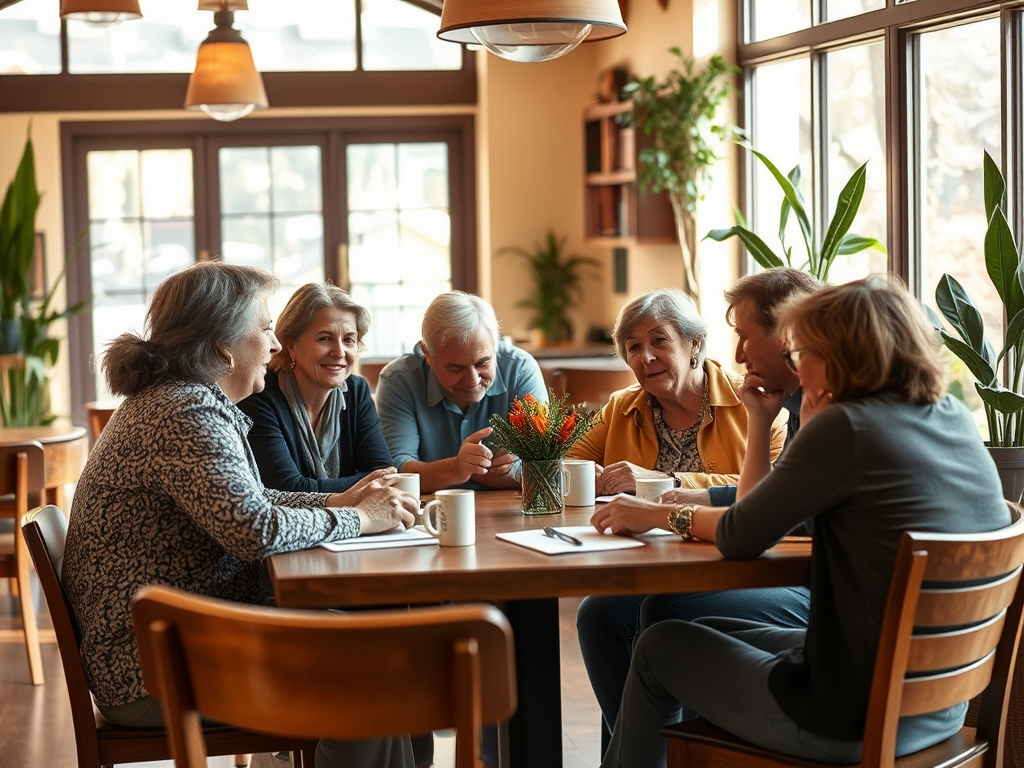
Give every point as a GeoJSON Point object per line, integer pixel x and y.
{"type": "Point", "coordinates": [821, 250]}
{"type": "Point", "coordinates": [24, 397]}
{"type": "Point", "coordinates": [557, 285]}
{"type": "Point", "coordinates": [680, 114]}
{"type": "Point", "coordinates": [1001, 396]}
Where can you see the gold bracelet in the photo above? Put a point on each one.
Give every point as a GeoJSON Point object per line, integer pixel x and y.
{"type": "Point", "coordinates": [680, 521]}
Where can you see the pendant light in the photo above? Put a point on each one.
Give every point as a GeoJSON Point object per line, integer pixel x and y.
{"type": "Point", "coordinates": [100, 13]}
{"type": "Point", "coordinates": [529, 30]}
{"type": "Point", "coordinates": [225, 84]}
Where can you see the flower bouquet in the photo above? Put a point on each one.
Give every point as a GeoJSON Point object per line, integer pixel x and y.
{"type": "Point", "coordinates": [540, 435]}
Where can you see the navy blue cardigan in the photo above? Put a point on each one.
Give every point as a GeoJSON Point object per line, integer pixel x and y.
{"type": "Point", "coordinates": [275, 442]}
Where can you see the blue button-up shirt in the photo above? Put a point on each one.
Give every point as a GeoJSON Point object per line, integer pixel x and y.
{"type": "Point", "coordinates": [421, 424]}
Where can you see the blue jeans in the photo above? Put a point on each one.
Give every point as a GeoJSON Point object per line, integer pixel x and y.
{"type": "Point", "coordinates": [608, 626]}
{"type": "Point", "coordinates": [719, 669]}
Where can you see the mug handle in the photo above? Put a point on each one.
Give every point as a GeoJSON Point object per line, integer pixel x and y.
{"type": "Point", "coordinates": [566, 477]}
{"type": "Point", "coordinates": [426, 517]}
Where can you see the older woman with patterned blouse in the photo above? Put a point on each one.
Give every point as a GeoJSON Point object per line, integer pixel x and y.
{"type": "Point", "coordinates": [171, 493]}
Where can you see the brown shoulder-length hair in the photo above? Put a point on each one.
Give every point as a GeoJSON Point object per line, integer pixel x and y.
{"type": "Point", "coordinates": [298, 314]}
{"type": "Point", "coordinates": [873, 337]}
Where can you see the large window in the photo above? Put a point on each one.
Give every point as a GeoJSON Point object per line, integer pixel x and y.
{"type": "Point", "coordinates": [919, 91]}
{"type": "Point", "coordinates": [383, 207]}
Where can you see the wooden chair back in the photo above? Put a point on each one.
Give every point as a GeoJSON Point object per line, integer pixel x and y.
{"type": "Point", "coordinates": [950, 631]}
{"type": "Point", "coordinates": [591, 387]}
{"type": "Point", "coordinates": [99, 413]}
{"type": "Point", "coordinates": [22, 477]}
{"type": "Point", "coordinates": [316, 674]}
{"type": "Point", "coordinates": [98, 741]}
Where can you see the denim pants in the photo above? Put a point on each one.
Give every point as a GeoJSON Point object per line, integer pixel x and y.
{"type": "Point", "coordinates": [719, 668]}
{"type": "Point", "coordinates": [608, 626]}
{"type": "Point", "coordinates": [393, 752]}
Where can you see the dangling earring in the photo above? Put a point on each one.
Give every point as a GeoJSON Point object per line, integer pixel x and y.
{"type": "Point", "coordinates": [293, 363]}
{"type": "Point", "coordinates": [693, 362]}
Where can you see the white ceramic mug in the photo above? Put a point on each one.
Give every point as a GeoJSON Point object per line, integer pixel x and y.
{"type": "Point", "coordinates": [455, 511]}
{"type": "Point", "coordinates": [580, 480]}
{"type": "Point", "coordinates": [651, 488]}
{"type": "Point", "coordinates": [406, 482]}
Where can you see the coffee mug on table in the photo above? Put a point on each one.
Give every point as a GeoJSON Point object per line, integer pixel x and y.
{"type": "Point", "coordinates": [579, 482]}
{"type": "Point", "coordinates": [651, 488]}
{"type": "Point", "coordinates": [406, 482]}
{"type": "Point", "coordinates": [455, 514]}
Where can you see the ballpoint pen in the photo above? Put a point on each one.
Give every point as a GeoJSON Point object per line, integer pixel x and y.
{"type": "Point", "coordinates": [554, 533]}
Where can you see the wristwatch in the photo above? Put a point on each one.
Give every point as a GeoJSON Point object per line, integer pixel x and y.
{"type": "Point", "coordinates": [680, 520]}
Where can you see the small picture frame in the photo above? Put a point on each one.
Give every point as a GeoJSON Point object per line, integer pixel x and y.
{"type": "Point", "coordinates": [37, 270]}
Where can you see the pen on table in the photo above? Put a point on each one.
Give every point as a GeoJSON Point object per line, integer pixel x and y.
{"type": "Point", "coordinates": [556, 534]}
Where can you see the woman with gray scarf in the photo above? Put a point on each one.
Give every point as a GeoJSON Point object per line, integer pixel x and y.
{"type": "Point", "coordinates": [315, 427]}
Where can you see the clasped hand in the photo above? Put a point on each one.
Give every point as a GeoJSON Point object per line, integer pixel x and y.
{"type": "Point", "coordinates": [380, 508]}
{"type": "Point", "coordinates": [476, 458]}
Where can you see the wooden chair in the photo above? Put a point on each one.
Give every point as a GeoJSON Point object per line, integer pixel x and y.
{"type": "Point", "coordinates": [99, 413]}
{"type": "Point", "coordinates": [590, 387]}
{"type": "Point", "coordinates": [945, 639]}
{"type": "Point", "coordinates": [101, 743]}
{"type": "Point", "coordinates": [22, 480]}
{"type": "Point", "coordinates": [315, 674]}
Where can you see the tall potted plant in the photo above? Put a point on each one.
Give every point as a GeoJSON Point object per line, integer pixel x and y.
{"type": "Point", "coordinates": [557, 286]}
{"type": "Point", "coordinates": [1001, 395]}
{"type": "Point", "coordinates": [820, 250]}
{"type": "Point", "coordinates": [680, 114]}
{"type": "Point", "coordinates": [24, 395]}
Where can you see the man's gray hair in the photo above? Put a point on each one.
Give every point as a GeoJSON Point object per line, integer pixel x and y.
{"type": "Point", "coordinates": [457, 316]}
{"type": "Point", "coordinates": [670, 306]}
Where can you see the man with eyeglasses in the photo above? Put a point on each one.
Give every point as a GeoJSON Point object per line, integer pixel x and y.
{"type": "Point", "coordinates": [771, 372]}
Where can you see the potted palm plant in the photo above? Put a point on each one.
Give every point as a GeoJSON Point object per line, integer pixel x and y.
{"type": "Point", "coordinates": [820, 250]}
{"type": "Point", "coordinates": [26, 324]}
{"type": "Point", "coordinates": [557, 286]}
{"type": "Point", "coordinates": [680, 114]}
{"type": "Point", "coordinates": [1001, 395]}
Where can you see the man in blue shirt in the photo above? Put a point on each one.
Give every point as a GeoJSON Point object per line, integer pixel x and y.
{"type": "Point", "coordinates": [435, 402]}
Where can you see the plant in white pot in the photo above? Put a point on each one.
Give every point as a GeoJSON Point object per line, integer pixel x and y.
{"type": "Point", "coordinates": [26, 323]}
{"type": "Point", "coordinates": [1000, 378]}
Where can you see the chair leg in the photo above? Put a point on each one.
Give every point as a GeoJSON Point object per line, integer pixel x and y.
{"type": "Point", "coordinates": [28, 612]}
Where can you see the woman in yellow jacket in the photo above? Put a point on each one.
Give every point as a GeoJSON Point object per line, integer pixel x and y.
{"type": "Point", "coordinates": [683, 418]}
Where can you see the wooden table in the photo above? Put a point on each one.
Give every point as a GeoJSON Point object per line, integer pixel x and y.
{"type": "Point", "coordinates": [65, 450]}
{"type": "Point", "coordinates": [529, 581]}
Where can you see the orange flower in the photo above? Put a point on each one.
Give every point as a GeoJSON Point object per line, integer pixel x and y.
{"type": "Point", "coordinates": [567, 426]}
{"type": "Point", "coordinates": [540, 422]}
{"type": "Point", "coordinates": [518, 420]}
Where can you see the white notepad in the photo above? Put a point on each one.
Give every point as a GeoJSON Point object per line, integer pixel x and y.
{"type": "Point", "coordinates": [413, 537]}
{"type": "Point", "coordinates": [592, 540]}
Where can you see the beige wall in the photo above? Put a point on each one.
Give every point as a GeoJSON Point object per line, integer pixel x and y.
{"type": "Point", "coordinates": [530, 166]}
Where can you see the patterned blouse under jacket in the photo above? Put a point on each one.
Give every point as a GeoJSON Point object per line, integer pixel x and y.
{"type": "Point", "coordinates": [171, 495]}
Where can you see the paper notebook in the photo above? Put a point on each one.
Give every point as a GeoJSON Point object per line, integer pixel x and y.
{"type": "Point", "coordinates": [592, 540]}
{"type": "Point", "coordinates": [414, 537]}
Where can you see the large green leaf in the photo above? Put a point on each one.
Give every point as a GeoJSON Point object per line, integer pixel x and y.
{"type": "Point", "coordinates": [796, 202]}
{"type": "Point", "coordinates": [1001, 399]}
{"type": "Point", "coordinates": [757, 247]}
{"type": "Point", "coordinates": [995, 187]}
{"type": "Point", "coordinates": [956, 306]}
{"type": "Point", "coordinates": [1002, 262]}
{"type": "Point", "coordinates": [858, 243]}
{"type": "Point", "coordinates": [975, 363]}
{"type": "Point", "coordinates": [846, 211]}
{"type": "Point", "coordinates": [1012, 336]}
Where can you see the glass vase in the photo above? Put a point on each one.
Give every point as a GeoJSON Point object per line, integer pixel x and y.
{"type": "Point", "coordinates": [543, 488]}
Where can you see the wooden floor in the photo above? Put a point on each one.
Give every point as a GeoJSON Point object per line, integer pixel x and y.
{"type": "Point", "coordinates": [35, 721]}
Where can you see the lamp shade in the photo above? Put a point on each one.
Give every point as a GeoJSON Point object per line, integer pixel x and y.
{"type": "Point", "coordinates": [100, 12]}
{"type": "Point", "coordinates": [529, 30]}
{"type": "Point", "coordinates": [225, 83]}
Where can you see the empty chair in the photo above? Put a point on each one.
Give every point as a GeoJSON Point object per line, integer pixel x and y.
{"type": "Point", "coordinates": [98, 741]}
{"type": "Point", "coordinates": [22, 478]}
{"type": "Point", "coordinates": [951, 626]}
{"type": "Point", "coordinates": [307, 674]}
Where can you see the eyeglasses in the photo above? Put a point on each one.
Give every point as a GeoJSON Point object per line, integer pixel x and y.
{"type": "Point", "coordinates": [792, 357]}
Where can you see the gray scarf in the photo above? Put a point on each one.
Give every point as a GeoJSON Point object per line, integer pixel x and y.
{"type": "Point", "coordinates": [322, 448]}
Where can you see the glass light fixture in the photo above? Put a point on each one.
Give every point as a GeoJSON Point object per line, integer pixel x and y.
{"type": "Point", "coordinates": [529, 30]}
{"type": "Point", "coordinates": [100, 13]}
{"type": "Point", "coordinates": [225, 83]}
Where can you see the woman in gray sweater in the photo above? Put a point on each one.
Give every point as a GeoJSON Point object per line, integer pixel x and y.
{"type": "Point", "coordinates": [881, 450]}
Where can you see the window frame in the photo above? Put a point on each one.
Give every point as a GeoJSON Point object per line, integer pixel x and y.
{"type": "Point", "coordinates": [205, 137]}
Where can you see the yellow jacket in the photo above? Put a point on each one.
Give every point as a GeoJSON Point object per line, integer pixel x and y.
{"type": "Point", "coordinates": [626, 432]}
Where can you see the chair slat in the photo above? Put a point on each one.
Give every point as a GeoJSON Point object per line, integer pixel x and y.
{"type": "Point", "coordinates": [938, 692]}
{"type": "Point", "coordinates": [949, 650]}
